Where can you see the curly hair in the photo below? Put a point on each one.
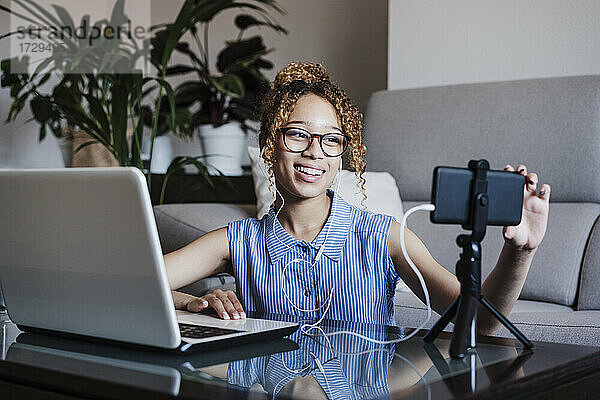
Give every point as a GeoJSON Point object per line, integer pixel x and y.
{"type": "Point", "coordinates": [294, 81]}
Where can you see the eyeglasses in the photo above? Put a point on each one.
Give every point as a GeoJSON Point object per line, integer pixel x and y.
{"type": "Point", "coordinates": [298, 140]}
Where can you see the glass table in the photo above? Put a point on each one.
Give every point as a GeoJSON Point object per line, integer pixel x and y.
{"type": "Point", "coordinates": [313, 366]}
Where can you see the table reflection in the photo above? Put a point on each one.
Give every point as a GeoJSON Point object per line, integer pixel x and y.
{"type": "Point", "coordinates": [342, 366]}
{"type": "Point", "coordinates": [350, 367]}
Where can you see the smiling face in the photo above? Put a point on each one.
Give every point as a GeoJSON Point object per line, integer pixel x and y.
{"type": "Point", "coordinates": [307, 174]}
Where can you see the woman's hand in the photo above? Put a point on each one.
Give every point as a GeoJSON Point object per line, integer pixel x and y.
{"type": "Point", "coordinates": [529, 233]}
{"type": "Point", "coordinates": [224, 302]}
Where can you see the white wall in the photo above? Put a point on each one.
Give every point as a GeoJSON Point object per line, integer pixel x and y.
{"type": "Point", "coordinates": [348, 36]}
{"type": "Point", "coordinates": [435, 43]}
{"type": "Point", "coordinates": [18, 141]}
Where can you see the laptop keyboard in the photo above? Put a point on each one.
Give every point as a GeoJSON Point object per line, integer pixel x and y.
{"type": "Point", "coordinates": [201, 332]}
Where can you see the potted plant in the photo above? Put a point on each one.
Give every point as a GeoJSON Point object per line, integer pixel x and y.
{"type": "Point", "coordinates": [222, 100]}
{"type": "Point", "coordinates": [96, 86]}
{"type": "Point", "coordinates": [99, 90]}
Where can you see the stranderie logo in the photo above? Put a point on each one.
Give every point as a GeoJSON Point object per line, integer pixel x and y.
{"type": "Point", "coordinates": [85, 31]}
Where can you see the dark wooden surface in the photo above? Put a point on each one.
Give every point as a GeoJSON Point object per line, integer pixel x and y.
{"type": "Point", "coordinates": [529, 376]}
{"type": "Point", "coordinates": [195, 189]}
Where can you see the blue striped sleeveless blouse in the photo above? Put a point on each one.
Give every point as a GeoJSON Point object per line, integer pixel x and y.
{"type": "Point", "coordinates": [355, 263]}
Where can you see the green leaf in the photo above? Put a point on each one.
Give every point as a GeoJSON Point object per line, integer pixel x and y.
{"type": "Point", "coordinates": [13, 12]}
{"type": "Point", "coordinates": [190, 92]}
{"type": "Point", "coordinates": [176, 31]}
{"type": "Point", "coordinates": [17, 106]}
{"type": "Point", "coordinates": [68, 101]}
{"type": "Point", "coordinates": [182, 122]}
{"type": "Point", "coordinates": [245, 21]}
{"type": "Point", "coordinates": [49, 18]}
{"type": "Point", "coordinates": [170, 93]}
{"type": "Point", "coordinates": [240, 53]}
{"type": "Point", "coordinates": [118, 17]}
{"type": "Point", "coordinates": [118, 119]}
{"type": "Point", "coordinates": [41, 108]}
{"type": "Point", "coordinates": [41, 66]}
{"type": "Point", "coordinates": [184, 48]}
{"type": "Point", "coordinates": [179, 70]}
{"type": "Point", "coordinates": [64, 17]}
{"type": "Point", "coordinates": [273, 4]}
{"type": "Point", "coordinates": [229, 84]}
{"type": "Point", "coordinates": [98, 113]}
{"type": "Point", "coordinates": [45, 78]}
{"type": "Point", "coordinates": [42, 133]}
{"type": "Point", "coordinates": [81, 54]}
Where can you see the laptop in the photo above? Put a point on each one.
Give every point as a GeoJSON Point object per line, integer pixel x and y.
{"type": "Point", "coordinates": [80, 255]}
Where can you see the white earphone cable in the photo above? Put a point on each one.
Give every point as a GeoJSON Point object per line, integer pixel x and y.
{"type": "Point", "coordinates": [422, 207]}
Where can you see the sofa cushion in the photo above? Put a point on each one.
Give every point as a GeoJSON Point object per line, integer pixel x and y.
{"type": "Point", "coordinates": [552, 125]}
{"type": "Point", "coordinates": [539, 321]}
{"type": "Point", "coordinates": [554, 273]}
{"type": "Point", "coordinates": [179, 224]}
{"type": "Point", "coordinates": [568, 326]}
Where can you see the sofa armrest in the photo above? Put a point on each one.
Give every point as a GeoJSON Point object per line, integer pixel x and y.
{"type": "Point", "coordinates": [589, 295]}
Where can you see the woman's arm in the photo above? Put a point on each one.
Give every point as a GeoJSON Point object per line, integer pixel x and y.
{"type": "Point", "coordinates": [503, 286]}
{"type": "Point", "coordinates": [442, 285]}
{"type": "Point", "coordinates": [206, 256]}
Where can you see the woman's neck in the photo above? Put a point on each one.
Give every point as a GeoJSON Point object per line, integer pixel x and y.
{"type": "Point", "coordinates": [304, 218]}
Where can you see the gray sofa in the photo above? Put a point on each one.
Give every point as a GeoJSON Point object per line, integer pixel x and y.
{"type": "Point", "coordinates": [552, 125]}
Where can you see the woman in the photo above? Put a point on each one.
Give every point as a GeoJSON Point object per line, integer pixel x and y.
{"type": "Point", "coordinates": [315, 254]}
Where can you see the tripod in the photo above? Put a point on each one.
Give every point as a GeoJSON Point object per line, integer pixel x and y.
{"type": "Point", "coordinates": [468, 271]}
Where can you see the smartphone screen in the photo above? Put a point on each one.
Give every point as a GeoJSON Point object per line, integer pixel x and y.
{"type": "Point", "coordinates": [451, 192]}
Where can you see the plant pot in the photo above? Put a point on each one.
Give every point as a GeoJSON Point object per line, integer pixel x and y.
{"type": "Point", "coordinates": [65, 144]}
{"type": "Point", "coordinates": [162, 153]}
{"type": "Point", "coordinates": [94, 155]}
{"type": "Point", "coordinates": [223, 148]}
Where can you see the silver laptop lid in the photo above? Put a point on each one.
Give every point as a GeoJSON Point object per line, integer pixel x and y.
{"type": "Point", "coordinates": [79, 253]}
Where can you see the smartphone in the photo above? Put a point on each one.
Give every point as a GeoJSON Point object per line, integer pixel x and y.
{"type": "Point", "coordinates": [451, 191]}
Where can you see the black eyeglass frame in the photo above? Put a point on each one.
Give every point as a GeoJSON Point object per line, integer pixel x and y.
{"type": "Point", "coordinates": [312, 136]}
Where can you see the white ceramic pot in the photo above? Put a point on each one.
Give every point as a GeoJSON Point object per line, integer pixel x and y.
{"type": "Point", "coordinates": [162, 153]}
{"type": "Point", "coordinates": [66, 149]}
{"type": "Point", "coordinates": [223, 147]}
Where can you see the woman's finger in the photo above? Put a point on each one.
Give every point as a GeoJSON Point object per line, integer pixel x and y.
{"type": "Point", "coordinates": [236, 303]}
{"type": "Point", "coordinates": [198, 304]}
{"type": "Point", "coordinates": [228, 305]}
{"type": "Point", "coordinates": [545, 192]}
{"type": "Point", "coordinates": [217, 305]}
{"type": "Point", "coordinates": [522, 169]}
{"type": "Point", "coordinates": [531, 182]}
{"type": "Point", "coordinates": [509, 168]}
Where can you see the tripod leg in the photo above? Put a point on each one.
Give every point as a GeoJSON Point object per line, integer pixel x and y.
{"type": "Point", "coordinates": [442, 322]}
{"type": "Point", "coordinates": [462, 328]}
{"type": "Point", "coordinates": [513, 329]}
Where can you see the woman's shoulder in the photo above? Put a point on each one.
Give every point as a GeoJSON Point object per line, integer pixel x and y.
{"type": "Point", "coordinates": [246, 228]}
{"type": "Point", "coordinates": [368, 221]}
